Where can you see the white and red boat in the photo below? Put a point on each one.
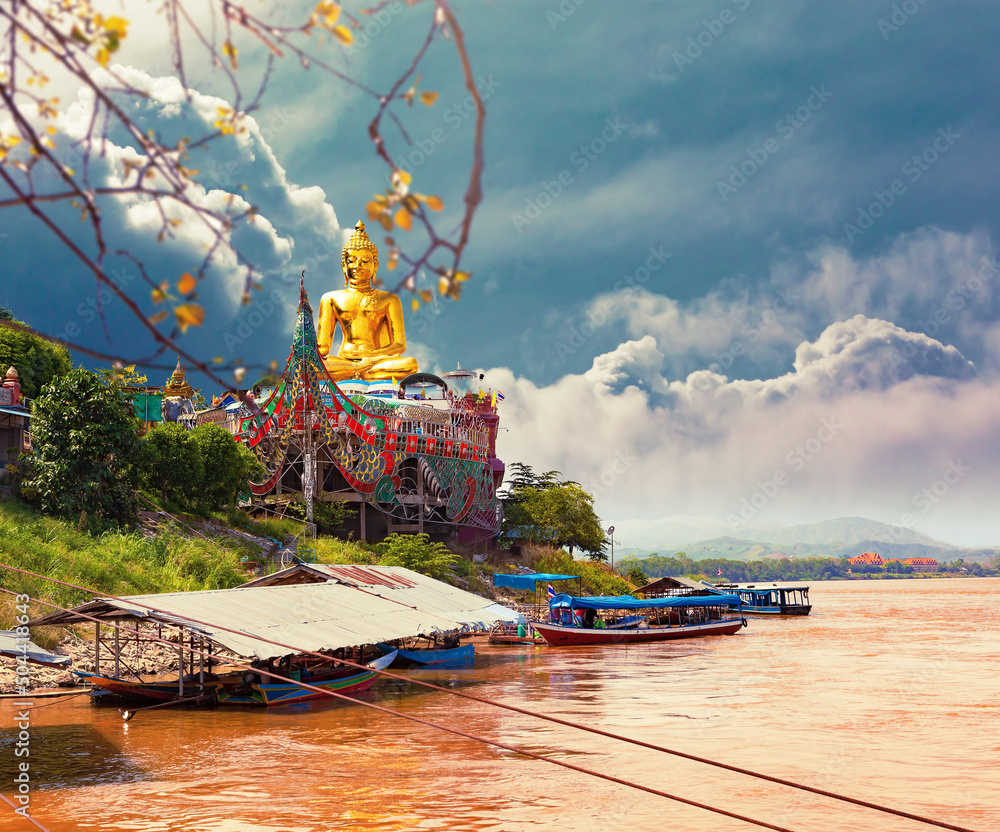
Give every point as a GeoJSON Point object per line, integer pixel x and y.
{"type": "Point", "coordinates": [622, 619]}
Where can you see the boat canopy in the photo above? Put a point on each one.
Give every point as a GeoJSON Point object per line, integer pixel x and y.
{"type": "Point", "coordinates": [627, 602]}
{"type": "Point", "coordinates": [529, 581]}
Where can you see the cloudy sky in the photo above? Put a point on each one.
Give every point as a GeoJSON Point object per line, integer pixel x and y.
{"type": "Point", "coordinates": [735, 259]}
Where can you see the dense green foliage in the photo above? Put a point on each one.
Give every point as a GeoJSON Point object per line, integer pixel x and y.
{"type": "Point", "coordinates": [416, 552]}
{"type": "Point", "coordinates": [329, 516]}
{"type": "Point", "coordinates": [84, 434]}
{"type": "Point", "coordinates": [227, 466]}
{"type": "Point", "coordinates": [543, 510]}
{"type": "Point", "coordinates": [171, 463]}
{"type": "Point", "coordinates": [113, 563]}
{"type": "Point", "coordinates": [36, 360]}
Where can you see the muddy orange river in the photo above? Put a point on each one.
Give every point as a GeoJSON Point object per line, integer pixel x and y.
{"type": "Point", "coordinates": [888, 692]}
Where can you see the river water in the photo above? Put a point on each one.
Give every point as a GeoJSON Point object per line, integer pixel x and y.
{"type": "Point", "coordinates": [888, 692]}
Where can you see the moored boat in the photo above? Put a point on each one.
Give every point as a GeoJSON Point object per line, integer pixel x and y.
{"type": "Point", "coordinates": [578, 621]}
{"type": "Point", "coordinates": [431, 656]}
{"type": "Point", "coordinates": [769, 598]}
{"type": "Point", "coordinates": [155, 690]}
{"type": "Point", "coordinates": [251, 689]}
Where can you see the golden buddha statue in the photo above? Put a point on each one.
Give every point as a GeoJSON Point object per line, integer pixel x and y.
{"type": "Point", "coordinates": [370, 319]}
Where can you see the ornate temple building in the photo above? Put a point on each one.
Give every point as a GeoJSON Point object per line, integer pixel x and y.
{"type": "Point", "coordinates": [413, 452]}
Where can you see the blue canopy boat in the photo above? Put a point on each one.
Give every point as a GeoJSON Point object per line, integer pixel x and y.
{"type": "Point", "coordinates": [575, 621]}
{"type": "Point", "coordinates": [431, 656]}
{"type": "Point", "coordinates": [769, 598]}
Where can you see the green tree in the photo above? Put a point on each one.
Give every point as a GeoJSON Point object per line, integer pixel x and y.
{"type": "Point", "coordinates": [36, 360]}
{"type": "Point", "coordinates": [636, 577]}
{"type": "Point", "coordinates": [227, 466]}
{"type": "Point", "coordinates": [416, 552]}
{"type": "Point", "coordinates": [84, 433]}
{"type": "Point", "coordinates": [171, 462]}
{"type": "Point", "coordinates": [545, 511]}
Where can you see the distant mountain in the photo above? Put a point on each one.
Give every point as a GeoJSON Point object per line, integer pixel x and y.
{"type": "Point", "coordinates": [843, 530]}
{"type": "Point", "coordinates": [842, 537]}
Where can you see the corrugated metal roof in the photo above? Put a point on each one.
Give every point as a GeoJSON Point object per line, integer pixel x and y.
{"type": "Point", "coordinates": [314, 616]}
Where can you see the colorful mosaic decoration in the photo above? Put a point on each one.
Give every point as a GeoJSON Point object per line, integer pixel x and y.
{"type": "Point", "coordinates": [395, 453]}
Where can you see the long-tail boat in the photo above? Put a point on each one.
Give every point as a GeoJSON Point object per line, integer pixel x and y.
{"type": "Point", "coordinates": [250, 688]}
{"type": "Point", "coordinates": [579, 621]}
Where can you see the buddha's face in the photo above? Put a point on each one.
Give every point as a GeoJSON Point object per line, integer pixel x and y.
{"type": "Point", "coordinates": [360, 267]}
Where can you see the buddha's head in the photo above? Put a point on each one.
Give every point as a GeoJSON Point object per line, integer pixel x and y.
{"type": "Point", "coordinates": [359, 259]}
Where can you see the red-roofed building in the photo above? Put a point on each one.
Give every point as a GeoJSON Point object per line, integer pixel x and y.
{"type": "Point", "coordinates": [867, 559]}
{"type": "Point", "coordinates": [922, 564]}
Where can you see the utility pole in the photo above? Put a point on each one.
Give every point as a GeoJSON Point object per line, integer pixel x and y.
{"type": "Point", "coordinates": [611, 534]}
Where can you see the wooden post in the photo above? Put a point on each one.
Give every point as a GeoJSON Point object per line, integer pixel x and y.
{"type": "Point", "coordinates": [118, 672]}
{"type": "Point", "coordinates": [180, 666]}
{"type": "Point", "coordinates": [97, 648]}
{"type": "Point", "coordinates": [201, 663]}
{"type": "Point", "coordinates": [364, 535]}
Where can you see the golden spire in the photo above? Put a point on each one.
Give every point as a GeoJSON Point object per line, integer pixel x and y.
{"type": "Point", "coordinates": [359, 242]}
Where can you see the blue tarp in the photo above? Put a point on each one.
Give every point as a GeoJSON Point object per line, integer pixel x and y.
{"type": "Point", "coordinates": [529, 581]}
{"type": "Point", "coordinates": [627, 602]}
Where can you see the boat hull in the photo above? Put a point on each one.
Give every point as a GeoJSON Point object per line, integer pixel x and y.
{"type": "Point", "coordinates": [286, 693]}
{"type": "Point", "coordinates": [785, 609]}
{"type": "Point", "coordinates": [452, 657]}
{"type": "Point", "coordinates": [558, 635]}
{"type": "Point", "coordinates": [165, 691]}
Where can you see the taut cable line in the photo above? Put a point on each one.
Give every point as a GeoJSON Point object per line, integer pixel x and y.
{"type": "Point", "coordinates": [554, 720]}
{"type": "Point", "coordinates": [435, 725]}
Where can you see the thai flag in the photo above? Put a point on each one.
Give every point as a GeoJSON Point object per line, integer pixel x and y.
{"type": "Point", "coordinates": [550, 592]}
{"type": "Point", "coordinates": [720, 573]}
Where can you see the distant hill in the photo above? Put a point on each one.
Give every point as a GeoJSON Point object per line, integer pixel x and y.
{"type": "Point", "coordinates": [846, 531]}
{"type": "Point", "coordinates": [735, 549]}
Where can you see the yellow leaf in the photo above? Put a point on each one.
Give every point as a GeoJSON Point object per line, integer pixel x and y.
{"type": "Point", "coordinates": [230, 52]}
{"type": "Point", "coordinates": [426, 295]}
{"type": "Point", "coordinates": [189, 314]}
{"type": "Point", "coordinates": [461, 277]}
{"type": "Point", "coordinates": [444, 287]}
{"type": "Point", "coordinates": [218, 359]}
{"type": "Point", "coordinates": [414, 304]}
{"type": "Point", "coordinates": [159, 295]}
{"type": "Point", "coordinates": [374, 209]}
{"type": "Point", "coordinates": [386, 222]}
{"type": "Point", "coordinates": [343, 34]}
{"type": "Point", "coordinates": [159, 316]}
{"type": "Point", "coordinates": [402, 176]}
{"type": "Point", "coordinates": [404, 219]}
{"type": "Point", "coordinates": [118, 25]}
{"type": "Point", "coordinates": [186, 284]}
{"type": "Point", "coordinates": [51, 130]}
{"type": "Point", "coordinates": [393, 262]}
{"type": "Point", "coordinates": [435, 203]}
{"type": "Point", "coordinates": [428, 98]}
{"type": "Point", "coordinates": [102, 56]}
